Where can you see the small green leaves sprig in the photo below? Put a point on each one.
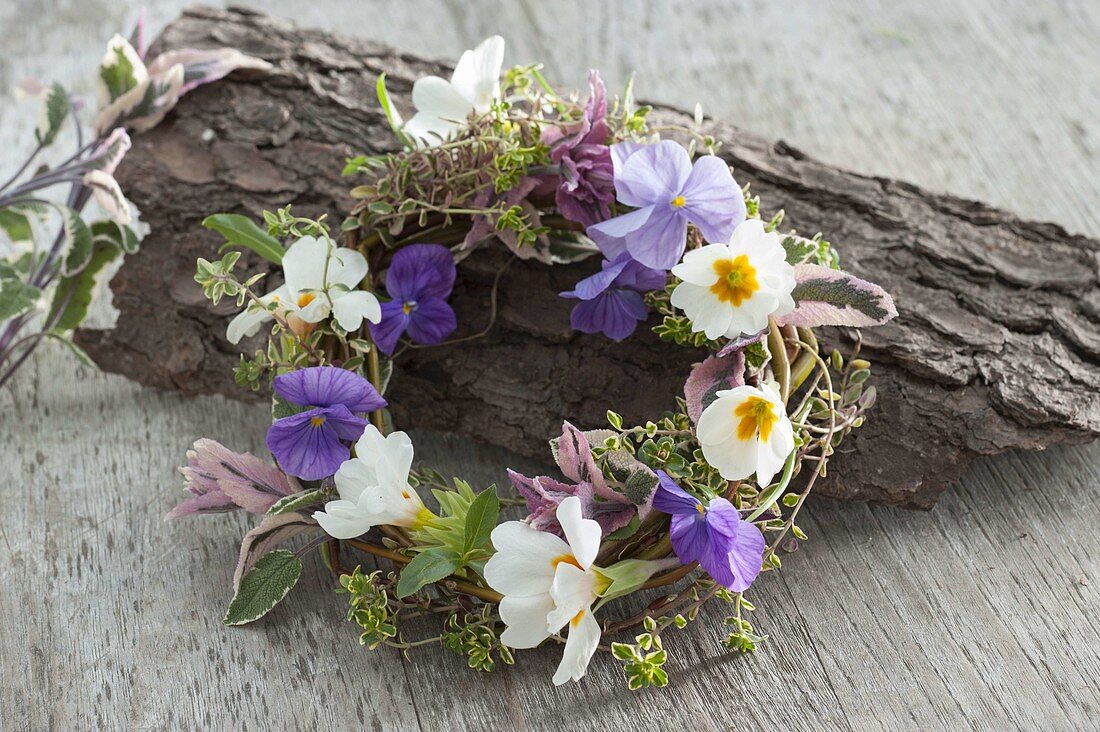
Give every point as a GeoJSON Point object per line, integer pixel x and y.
{"type": "Point", "coordinates": [369, 607]}
{"type": "Point", "coordinates": [474, 635]}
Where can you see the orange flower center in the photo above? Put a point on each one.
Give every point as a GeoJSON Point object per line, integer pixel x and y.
{"type": "Point", "coordinates": [306, 298]}
{"type": "Point", "coordinates": [317, 421]}
{"type": "Point", "coordinates": [736, 280]}
{"type": "Point", "coordinates": [757, 416]}
{"type": "Point", "coordinates": [567, 558]}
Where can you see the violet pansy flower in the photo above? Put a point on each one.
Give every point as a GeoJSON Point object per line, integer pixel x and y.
{"type": "Point", "coordinates": [419, 280]}
{"type": "Point", "coordinates": [586, 187]}
{"type": "Point", "coordinates": [729, 548]}
{"type": "Point", "coordinates": [611, 300]}
{"type": "Point", "coordinates": [312, 444]}
{"type": "Point", "coordinates": [669, 192]}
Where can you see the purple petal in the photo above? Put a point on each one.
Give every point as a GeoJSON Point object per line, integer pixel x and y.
{"type": "Point", "coordinates": [591, 286]}
{"type": "Point", "coordinates": [388, 331]}
{"type": "Point", "coordinates": [690, 537]}
{"type": "Point", "coordinates": [615, 313]}
{"type": "Point", "coordinates": [431, 321]}
{"type": "Point", "coordinates": [715, 203]}
{"type": "Point", "coordinates": [323, 386]}
{"type": "Point", "coordinates": [660, 241]}
{"type": "Point", "coordinates": [420, 271]}
{"type": "Point", "coordinates": [746, 556]}
{"type": "Point", "coordinates": [738, 546]}
{"type": "Point", "coordinates": [671, 498]}
{"type": "Point", "coordinates": [715, 558]}
{"type": "Point", "coordinates": [653, 175]}
{"type": "Point", "coordinates": [307, 449]}
{"type": "Point", "coordinates": [346, 425]}
{"type": "Point", "coordinates": [637, 276]}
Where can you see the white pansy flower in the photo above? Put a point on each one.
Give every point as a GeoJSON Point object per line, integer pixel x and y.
{"type": "Point", "coordinates": [549, 583]}
{"type": "Point", "coordinates": [744, 431]}
{"type": "Point", "coordinates": [320, 280]}
{"type": "Point", "coordinates": [442, 106]}
{"type": "Point", "coordinates": [729, 290]}
{"type": "Point", "coordinates": [374, 488]}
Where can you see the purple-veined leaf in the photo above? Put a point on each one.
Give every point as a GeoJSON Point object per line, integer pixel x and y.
{"type": "Point", "coordinates": [202, 66]}
{"type": "Point", "coordinates": [711, 376]}
{"type": "Point", "coordinates": [271, 532]}
{"type": "Point", "coordinates": [741, 342]}
{"type": "Point", "coordinates": [227, 480]}
{"type": "Point", "coordinates": [825, 296]}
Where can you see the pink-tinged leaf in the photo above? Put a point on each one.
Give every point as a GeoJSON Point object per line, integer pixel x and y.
{"type": "Point", "coordinates": [202, 66]}
{"type": "Point", "coordinates": [825, 296]}
{"type": "Point", "coordinates": [543, 495]}
{"type": "Point", "coordinates": [212, 502]}
{"type": "Point", "coordinates": [573, 454]}
{"type": "Point", "coordinates": [742, 342]}
{"type": "Point", "coordinates": [711, 376]}
{"type": "Point", "coordinates": [109, 153]}
{"type": "Point", "coordinates": [240, 480]}
{"type": "Point", "coordinates": [108, 195]}
{"type": "Point", "coordinates": [272, 531]}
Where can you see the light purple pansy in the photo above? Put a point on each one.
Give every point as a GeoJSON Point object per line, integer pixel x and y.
{"type": "Point", "coordinates": [611, 300]}
{"type": "Point", "coordinates": [729, 548]}
{"type": "Point", "coordinates": [419, 281]}
{"type": "Point", "coordinates": [668, 192]}
{"type": "Point", "coordinates": [312, 444]}
{"type": "Point", "coordinates": [585, 188]}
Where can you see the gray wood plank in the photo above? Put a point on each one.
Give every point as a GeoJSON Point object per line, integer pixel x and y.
{"type": "Point", "coordinates": [982, 613]}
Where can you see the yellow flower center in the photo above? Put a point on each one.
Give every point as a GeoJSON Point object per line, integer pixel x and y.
{"type": "Point", "coordinates": [679, 202]}
{"type": "Point", "coordinates": [317, 421]}
{"type": "Point", "coordinates": [306, 298]}
{"type": "Point", "coordinates": [699, 508]}
{"type": "Point", "coordinates": [757, 416]}
{"type": "Point", "coordinates": [408, 307]}
{"type": "Point", "coordinates": [736, 280]}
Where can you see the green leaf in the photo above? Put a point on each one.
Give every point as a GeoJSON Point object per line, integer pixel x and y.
{"type": "Point", "coordinates": [55, 108]}
{"type": "Point", "coordinates": [293, 502]}
{"type": "Point", "coordinates": [264, 586]}
{"type": "Point", "coordinates": [78, 241]}
{"type": "Point", "coordinates": [16, 296]}
{"type": "Point", "coordinates": [392, 115]}
{"type": "Point", "coordinates": [627, 531]}
{"type": "Point", "coordinates": [481, 519]}
{"type": "Point", "coordinates": [108, 231]}
{"type": "Point", "coordinates": [16, 225]}
{"type": "Point", "coordinates": [429, 566]}
{"type": "Point", "coordinates": [242, 231]}
{"type": "Point", "coordinates": [80, 353]}
{"type": "Point", "coordinates": [118, 70]}
{"type": "Point", "coordinates": [82, 287]}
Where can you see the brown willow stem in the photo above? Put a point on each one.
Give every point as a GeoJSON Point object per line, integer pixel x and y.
{"type": "Point", "coordinates": [461, 585]}
{"type": "Point", "coordinates": [669, 578]}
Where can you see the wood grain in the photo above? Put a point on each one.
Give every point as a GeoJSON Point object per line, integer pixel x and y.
{"type": "Point", "coordinates": [981, 614]}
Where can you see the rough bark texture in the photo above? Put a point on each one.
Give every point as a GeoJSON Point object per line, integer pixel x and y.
{"type": "Point", "coordinates": [997, 345]}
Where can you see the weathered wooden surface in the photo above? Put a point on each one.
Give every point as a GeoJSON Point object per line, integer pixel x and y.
{"type": "Point", "coordinates": [997, 345]}
{"type": "Point", "coordinates": [981, 614]}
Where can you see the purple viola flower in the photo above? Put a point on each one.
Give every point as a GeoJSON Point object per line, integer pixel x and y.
{"type": "Point", "coordinates": [419, 281]}
{"type": "Point", "coordinates": [311, 444]}
{"type": "Point", "coordinates": [611, 301]}
{"type": "Point", "coordinates": [729, 548]}
{"type": "Point", "coordinates": [668, 192]}
{"type": "Point", "coordinates": [586, 186]}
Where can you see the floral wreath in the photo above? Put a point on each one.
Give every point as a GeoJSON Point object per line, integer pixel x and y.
{"type": "Point", "coordinates": [687, 508]}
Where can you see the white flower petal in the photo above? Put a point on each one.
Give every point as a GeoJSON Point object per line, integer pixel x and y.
{"type": "Point", "coordinates": [346, 267]}
{"type": "Point", "coordinates": [477, 73]}
{"type": "Point", "coordinates": [343, 519]}
{"type": "Point", "coordinates": [304, 265]}
{"type": "Point", "coordinates": [525, 560]}
{"type": "Point", "coordinates": [697, 266]}
{"type": "Point", "coordinates": [350, 308]}
{"type": "Point", "coordinates": [573, 592]}
{"type": "Point", "coordinates": [580, 646]}
{"type": "Point", "coordinates": [747, 235]}
{"type": "Point", "coordinates": [582, 534]}
{"type": "Point", "coordinates": [248, 321]}
{"type": "Point", "coordinates": [526, 620]}
{"type": "Point", "coordinates": [734, 459]}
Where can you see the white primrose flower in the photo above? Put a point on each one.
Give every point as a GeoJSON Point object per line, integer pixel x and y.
{"type": "Point", "coordinates": [320, 280]}
{"type": "Point", "coordinates": [548, 583]}
{"type": "Point", "coordinates": [729, 290]}
{"type": "Point", "coordinates": [443, 106]}
{"type": "Point", "coordinates": [744, 431]}
{"type": "Point", "coordinates": [374, 488]}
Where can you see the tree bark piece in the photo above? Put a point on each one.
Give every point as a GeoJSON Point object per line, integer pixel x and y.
{"type": "Point", "coordinates": [997, 345]}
